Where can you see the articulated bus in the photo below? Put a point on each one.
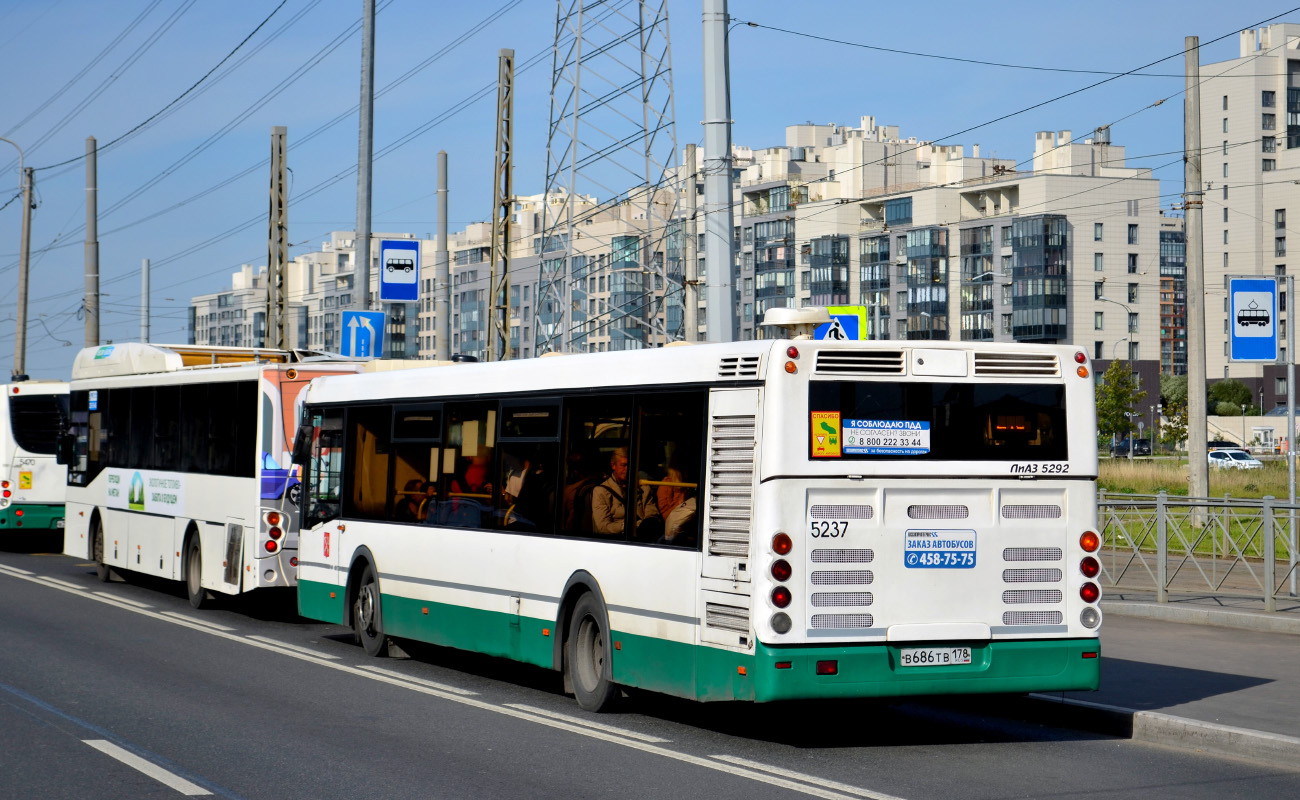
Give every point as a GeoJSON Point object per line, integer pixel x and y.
{"type": "Point", "coordinates": [178, 463]}
{"type": "Point", "coordinates": [32, 483]}
{"type": "Point", "coordinates": [759, 520]}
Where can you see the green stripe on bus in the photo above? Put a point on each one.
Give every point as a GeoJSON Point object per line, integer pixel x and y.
{"type": "Point", "coordinates": [315, 601]}
{"type": "Point", "coordinates": [35, 516]}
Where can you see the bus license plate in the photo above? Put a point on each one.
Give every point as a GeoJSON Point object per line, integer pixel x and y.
{"type": "Point", "coordinates": [933, 656]}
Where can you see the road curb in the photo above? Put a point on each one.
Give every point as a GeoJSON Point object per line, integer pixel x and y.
{"type": "Point", "coordinates": [1153, 727]}
{"type": "Point", "coordinates": [1243, 620]}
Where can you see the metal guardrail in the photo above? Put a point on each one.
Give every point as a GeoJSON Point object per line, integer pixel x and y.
{"type": "Point", "coordinates": [1221, 546]}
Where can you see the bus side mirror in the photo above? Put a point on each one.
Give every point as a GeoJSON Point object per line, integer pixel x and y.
{"type": "Point", "coordinates": [65, 450]}
{"type": "Point", "coordinates": [302, 444]}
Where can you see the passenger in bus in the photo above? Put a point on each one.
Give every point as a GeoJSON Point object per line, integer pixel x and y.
{"type": "Point", "coordinates": [608, 506]}
{"type": "Point", "coordinates": [677, 505]}
{"type": "Point", "coordinates": [470, 494]}
{"type": "Point", "coordinates": [406, 506]}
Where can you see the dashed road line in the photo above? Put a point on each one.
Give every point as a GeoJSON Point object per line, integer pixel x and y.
{"type": "Point", "coordinates": [117, 599]}
{"type": "Point", "coordinates": [195, 620]}
{"type": "Point", "coordinates": [812, 779]}
{"type": "Point", "coordinates": [588, 723]}
{"type": "Point", "coordinates": [442, 687]}
{"type": "Point", "coordinates": [147, 767]}
{"type": "Point", "coordinates": [294, 647]}
{"type": "Point", "coordinates": [67, 585]}
{"type": "Point", "coordinates": [14, 570]}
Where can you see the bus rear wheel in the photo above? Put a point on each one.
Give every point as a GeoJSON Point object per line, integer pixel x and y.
{"type": "Point", "coordinates": [199, 597]}
{"type": "Point", "coordinates": [367, 619]}
{"type": "Point", "coordinates": [102, 571]}
{"type": "Point", "coordinates": [587, 658]}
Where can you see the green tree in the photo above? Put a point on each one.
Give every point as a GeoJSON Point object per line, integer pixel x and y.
{"type": "Point", "coordinates": [1230, 391]}
{"type": "Point", "coordinates": [1116, 394]}
{"type": "Point", "coordinates": [1173, 390]}
{"type": "Point", "coordinates": [1173, 428]}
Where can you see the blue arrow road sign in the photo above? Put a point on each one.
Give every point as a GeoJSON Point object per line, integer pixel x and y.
{"type": "Point", "coordinates": [363, 334]}
{"type": "Point", "coordinates": [399, 270]}
{"type": "Point", "coordinates": [1254, 319]}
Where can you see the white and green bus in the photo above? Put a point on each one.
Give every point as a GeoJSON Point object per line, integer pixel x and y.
{"type": "Point", "coordinates": [32, 484]}
{"type": "Point", "coordinates": [758, 520]}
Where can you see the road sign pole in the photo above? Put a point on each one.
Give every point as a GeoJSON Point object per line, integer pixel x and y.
{"type": "Point", "coordinates": [1290, 434]}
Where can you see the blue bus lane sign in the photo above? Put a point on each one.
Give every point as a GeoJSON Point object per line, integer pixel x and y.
{"type": "Point", "coordinates": [939, 549]}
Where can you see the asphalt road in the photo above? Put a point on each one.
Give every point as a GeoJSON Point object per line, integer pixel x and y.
{"type": "Point", "coordinates": [121, 690]}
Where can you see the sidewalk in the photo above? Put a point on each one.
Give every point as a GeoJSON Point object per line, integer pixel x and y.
{"type": "Point", "coordinates": [1203, 672]}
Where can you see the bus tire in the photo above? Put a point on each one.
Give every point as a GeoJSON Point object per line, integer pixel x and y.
{"type": "Point", "coordinates": [199, 597]}
{"type": "Point", "coordinates": [367, 617]}
{"type": "Point", "coordinates": [102, 571]}
{"type": "Point", "coordinates": [587, 661]}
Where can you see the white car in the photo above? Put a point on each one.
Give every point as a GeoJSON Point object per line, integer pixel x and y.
{"type": "Point", "coordinates": [1233, 459]}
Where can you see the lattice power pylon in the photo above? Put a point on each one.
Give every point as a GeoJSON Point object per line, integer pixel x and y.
{"type": "Point", "coordinates": [612, 136]}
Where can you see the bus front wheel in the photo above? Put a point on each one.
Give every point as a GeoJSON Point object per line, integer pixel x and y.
{"type": "Point", "coordinates": [102, 571]}
{"type": "Point", "coordinates": [367, 620]}
{"type": "Point", "coordinates": [199, 597]}
{"type": "Point", "coordinates": [588, 655]}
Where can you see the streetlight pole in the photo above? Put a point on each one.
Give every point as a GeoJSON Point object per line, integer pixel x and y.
{"type": "Point", "coordinates": [24, 253]}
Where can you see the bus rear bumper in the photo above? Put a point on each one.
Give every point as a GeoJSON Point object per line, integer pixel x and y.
{"type": "Point", "coordinates": [1038, 665]}
{"type": "Point", "coordinates": [32, 516]}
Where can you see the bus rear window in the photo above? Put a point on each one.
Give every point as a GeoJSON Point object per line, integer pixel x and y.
{"type": "Point", "coordinates": [921, 421]}
{"type": "Point", "coordinates": [37, 420]}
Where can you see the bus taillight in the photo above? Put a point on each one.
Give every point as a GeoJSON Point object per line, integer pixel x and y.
{"type": "Point", "coordinates": [1090, 592]}
{"type": "Point", "coordinates": [781, 570]}
{"type": "Point", "coordinates": [781, 597]}
{"type": "Point", "coordinates": [275, 534]}
{"type": "Point", "coordinates": [781, 544]}
{"type": "Point", "coordinates": [271, 546]}
{"type": "Point", "coordinates": [792, 352]}
{"type": "Point", "coordinates": [781, 623]}
{"type": "Point", "coordinates": [1081, 357]}
{"type": "Point", "coordinates": [1089, 541]}
{"type": "Point", "coordinates": [1089, 567]}
{"type": "Point", "coordinates": [4, 484]}
{"type": "Point", "coordinates": [273, 518]}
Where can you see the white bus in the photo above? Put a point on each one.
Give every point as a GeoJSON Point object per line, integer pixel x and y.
{"type": "Point", "coordinates": [178, 463]}
{"type": "Point", "coordinates": [32, 483]}
{"type": "Point", "coordinates": [757, 520]}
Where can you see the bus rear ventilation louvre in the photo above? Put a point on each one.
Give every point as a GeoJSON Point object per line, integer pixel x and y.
{"type": "Point", "coordinates": [849, 362]}
{"type": "Point", "coordinates": [1023, 364]}
{"type": "Point", "coordinates": [841, 512]}
{"type": "Point", "coordinates": [730, 618]}
{"type": "Point", "coordinates": [842, 577]}
{"type": "Point", "coordinates": [1020, 597]}
{"type": "Point", "coordinates": [1032, 554]}
{"type": "Point", "coordinates": [1032, 618]}
{"type": "Point", "coordinates": [738, 366]}
{"type": "Point", "coordinates": [842, 556]}
{"type": "Point", "coordinates": [840, 599]}
{"type": "Point", "coordinates": [843, 620]}
{"type": "Point", "coordinates": [1043, 575]}
{"type": "Point", "coordinates": [731, 479]}
{"type": "Point", "coordinates": [1031, 512]}
{"type": "Point", "coordinates": [938, 512]}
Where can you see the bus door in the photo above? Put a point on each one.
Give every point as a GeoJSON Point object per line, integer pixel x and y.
{"type": "Point", "coordinates": [729, 514]}
{"type": "Point", "coordinates": [318, 539]}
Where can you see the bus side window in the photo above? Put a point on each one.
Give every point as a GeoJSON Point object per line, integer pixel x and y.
{"type": "Point", "coordinates": [468, 496]}
{"type": "Point", "coordinates": [326, 468]}
{"type": "Point", "coordinates": [530, 456]}
{"type": "Point", "coordinates": [669, 458]}
{"type": "Point", "coordinates": [597, 433]}
{"type": "Point", "coordinates": [369, 449]}
{"type": "Point", "coordinates": [417, 459]}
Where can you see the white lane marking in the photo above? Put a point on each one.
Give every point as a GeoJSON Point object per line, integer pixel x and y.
{"type": "Point", "coordinates": [835, 785]}
{"type": "Point", "coordinates": [64, 584]}
{"type": "Point", "coordinates": [421, 681]}
{"type": "Point", "coordinates": [194, 620]}
{"type": "Point", "coordinates": [597, 725]}
{"type": "Point", "coordinates": [294, 647]}
{"type": "Point", "coordinates": [147, 767]}
{"type": "Point", "coordinates": [15, 570]}
{"type": "Point", "coordinates": [646, 747]}
{"type": "Point", "coordinates": [119, 599]}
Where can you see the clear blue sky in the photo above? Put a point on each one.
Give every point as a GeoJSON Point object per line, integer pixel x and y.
{"type": "Point", "coordinates": [777, 79]}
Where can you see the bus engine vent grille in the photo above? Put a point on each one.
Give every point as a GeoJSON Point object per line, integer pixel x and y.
{"type": "Point", "coordinates": [842, 577]}
{"type": "Point", "coordinates": [842, 512]}
{"type": "Point", "coordinates": [1032, 554]}
{"type": "Point", "coordinates": [857, 362]}
{"type": "Point", "coordinates": [731, 618]}
{"type": "Point", "coordinates": [843, 620]}
{"type": "Point", "coordinates": [842, 556]}
{"type": "Point", "coordinates": [938, 512]}
{"type": "Point", "coordinates": [731, 479]}
{"type": "Point", "coordinates": [1019, 597]}
{"type": "Point", "coordinates": [1031, 512]}
{"type": "Point", "coordinates": [1032, 618]}
{"type": "Point", "coordinates": [839, 599]}
{"type": "Point", "coordinates": [1044, 364]}
{"type": "Point", "coordinates": [1047, 575]}
{"type": "Point", "coordinates": [738, 366]}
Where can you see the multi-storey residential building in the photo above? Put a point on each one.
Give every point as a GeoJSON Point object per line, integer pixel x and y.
{"type": "Point", "coordinates": [1173, 297]}
{"type": "Point", "coordinates": [1250, 138]}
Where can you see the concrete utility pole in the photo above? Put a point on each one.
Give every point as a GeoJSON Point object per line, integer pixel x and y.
{"type": "Point", "coordinates": [498, 327]}
{"type": "Point", "coordinates": [442, 272]}
{"type": "Point", "coordinates": [144, 300]}
{"type": "Point", "coordinates": [691, 276]}
{"type": "Point", "coordinates": [365, 156]}
{"type": "Point", "coordinates": [1290, 433]}
{"type": "Point", "coordinates": [1198, 478]}
{"type": "Point", "coordinates": [24, 251]}
{"type": "Point", "coordinates": [92, 243]}
{"type": "Point", "coordinates": [277, 245]}
{"type": "Point", "coordinates": [719, 250]}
